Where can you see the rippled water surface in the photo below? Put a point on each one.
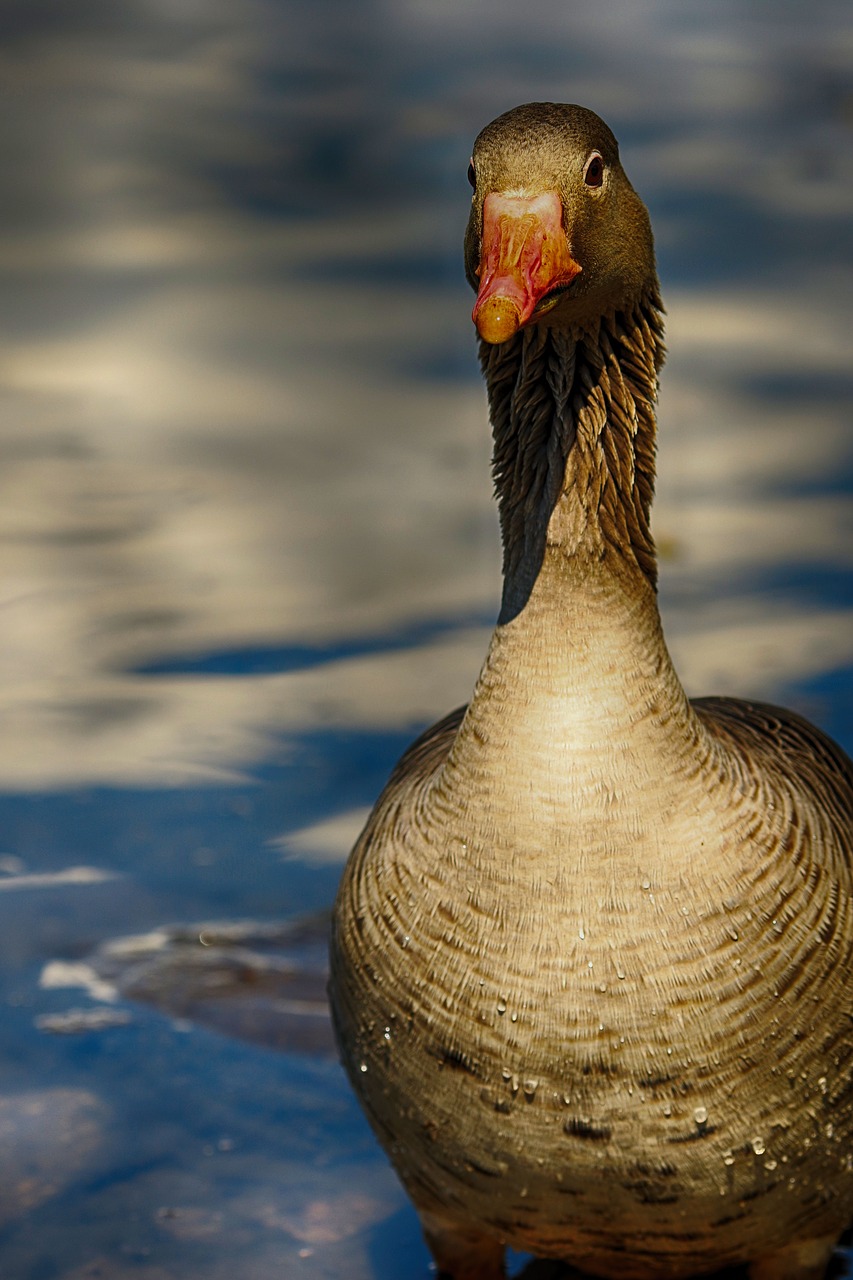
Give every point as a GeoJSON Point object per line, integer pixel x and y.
{"type": "Point", "coordinates": [248, 545]}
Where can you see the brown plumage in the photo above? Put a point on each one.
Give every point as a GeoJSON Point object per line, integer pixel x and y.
{"type": "Point", "coordinates": [591, 958]}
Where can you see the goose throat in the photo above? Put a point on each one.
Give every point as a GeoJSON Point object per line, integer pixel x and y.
{"type": "Point", "coordinates": [573, 418]}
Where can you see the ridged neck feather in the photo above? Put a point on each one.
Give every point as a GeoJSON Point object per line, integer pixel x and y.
{"type": "Point", "coordinates": [573, 416]}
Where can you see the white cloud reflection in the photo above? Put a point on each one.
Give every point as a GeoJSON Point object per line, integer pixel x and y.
{"type": "Point", "coordinates": [238, 403]}
{"type": "Point", "coordinates": [326, 842]}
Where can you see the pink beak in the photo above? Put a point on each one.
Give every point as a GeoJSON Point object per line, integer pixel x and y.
{"type": "Point", "coordinates": [525, 256]}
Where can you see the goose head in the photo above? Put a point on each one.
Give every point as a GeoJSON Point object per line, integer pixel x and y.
{"type": "Point", "coordinates": [557, 235]}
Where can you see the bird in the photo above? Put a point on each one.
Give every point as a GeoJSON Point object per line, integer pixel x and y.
{"type": "Point", "coordinates": [592, 955]}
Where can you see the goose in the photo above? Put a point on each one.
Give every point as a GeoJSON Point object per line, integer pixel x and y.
{"type": "Point", "coordinates": [592, 956]}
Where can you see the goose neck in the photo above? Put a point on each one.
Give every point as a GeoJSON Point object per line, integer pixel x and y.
{"type": "Point", "coordinates": [573, 416]}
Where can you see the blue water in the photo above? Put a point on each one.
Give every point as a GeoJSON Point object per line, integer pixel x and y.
{"type": "Point", "coordinates": [248, 542]}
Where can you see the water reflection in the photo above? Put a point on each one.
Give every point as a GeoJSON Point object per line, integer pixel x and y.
{"type": "Point", "coordinates": [247, 532]}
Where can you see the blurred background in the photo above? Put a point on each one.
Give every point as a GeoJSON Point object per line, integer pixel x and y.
{"type": "Point", "coordinates": [248, 544]}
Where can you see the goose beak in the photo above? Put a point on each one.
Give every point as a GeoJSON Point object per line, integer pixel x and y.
{"type": "Point", "coordinates": [525, 258]}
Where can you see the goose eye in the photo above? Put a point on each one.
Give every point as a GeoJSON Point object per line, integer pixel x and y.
{"type": "Point", "coordinates": [472, 177]}
{"type": "Point", "coordinates": [593, 174]}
